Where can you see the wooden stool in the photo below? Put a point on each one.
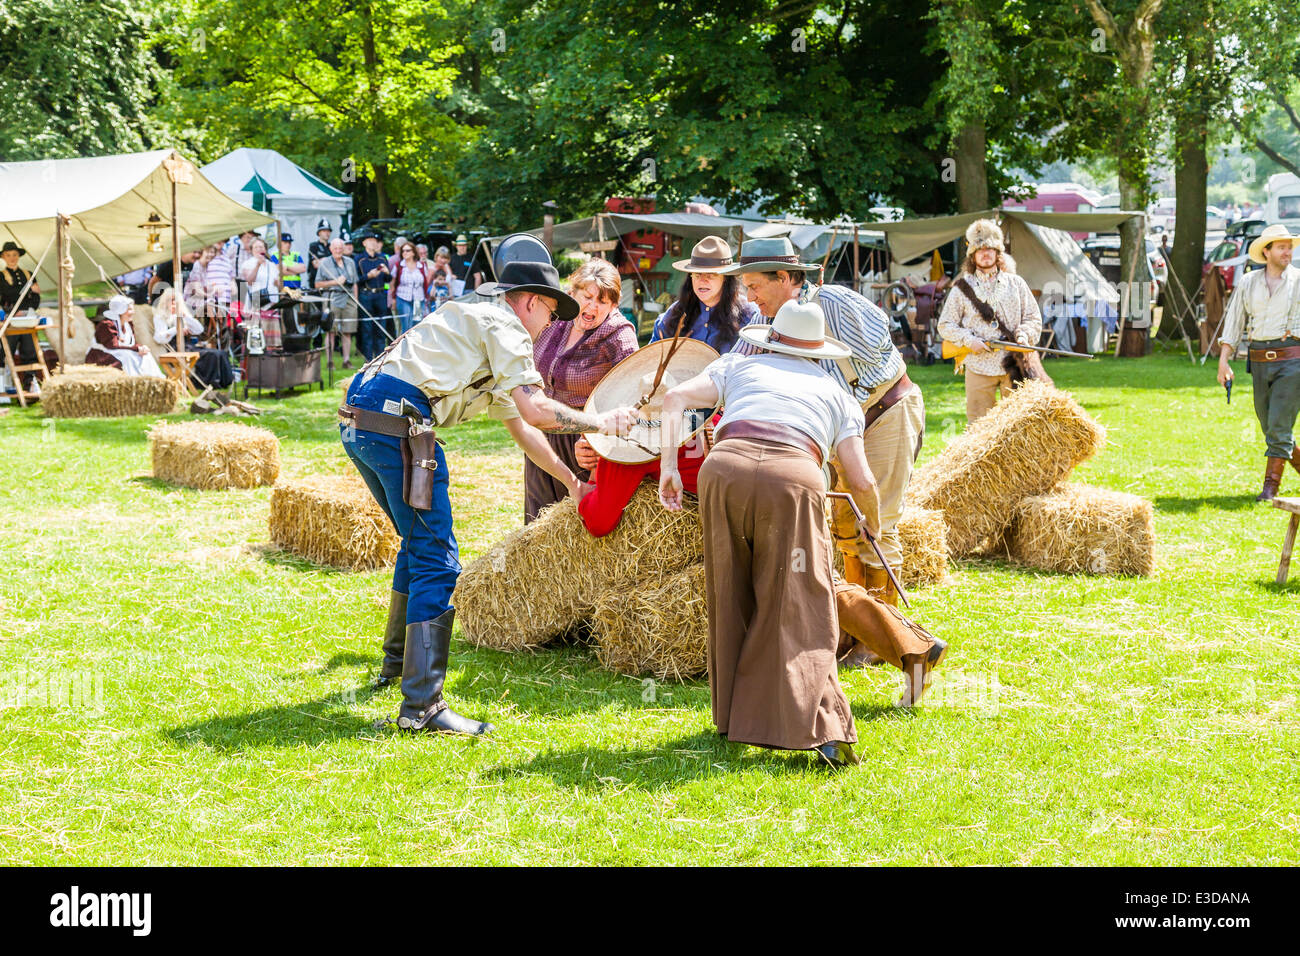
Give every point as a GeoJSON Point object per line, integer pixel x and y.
{"type": "Point", "coordinates": [17, 371]}
{"type": "Point", "coordinates": [171, 364]}
{"type": "Point", "coordinates": [1288, 544]}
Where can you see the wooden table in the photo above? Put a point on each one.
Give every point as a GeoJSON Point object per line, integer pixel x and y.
{"type": "Point", "coordinates": [1288, 544]}
{"type": "Point", "coordinates": [171, 365]}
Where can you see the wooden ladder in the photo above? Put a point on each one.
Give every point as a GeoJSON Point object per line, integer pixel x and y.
{"type": "Point", "coordinates": [18, 372]}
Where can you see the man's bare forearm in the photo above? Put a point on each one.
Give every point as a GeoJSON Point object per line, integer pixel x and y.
{"type": "Point", "coordinates": [565, 420]}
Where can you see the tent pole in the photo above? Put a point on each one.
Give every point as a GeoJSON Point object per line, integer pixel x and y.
{"type": "Point", "coordinates": [65, 282]}
{"type": "Point", "coordinates": [279, 256]}
{"type": "Point", "coordinates": [857, 276]}
{"type": "Point", "coordinates": [176, 288]}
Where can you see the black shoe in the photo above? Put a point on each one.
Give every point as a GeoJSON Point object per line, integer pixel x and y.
{"type": "Point", "coordinates": [424, 669]}
{"type": "Point", "coordinates": [836, 755]}
{"type": "Point", "coordinates": [390, 672]}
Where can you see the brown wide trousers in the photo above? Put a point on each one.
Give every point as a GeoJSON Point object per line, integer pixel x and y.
{"type": "Point", "coordinates": [772, 624]}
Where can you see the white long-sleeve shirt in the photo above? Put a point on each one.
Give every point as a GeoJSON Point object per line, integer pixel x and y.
{"type": "Point", "coordinates": [164, 327]}
{"type": "Point", "coordinates": [1265, 315]}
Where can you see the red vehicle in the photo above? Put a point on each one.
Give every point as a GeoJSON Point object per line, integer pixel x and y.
{"type": "Point", "coordinates": [640, 251]}
{"type": "Point", "coordinates": [1227, 255]}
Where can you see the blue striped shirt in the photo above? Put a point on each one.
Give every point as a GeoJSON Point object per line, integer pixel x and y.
{"type": "Point", "coordinates": [860, 325]}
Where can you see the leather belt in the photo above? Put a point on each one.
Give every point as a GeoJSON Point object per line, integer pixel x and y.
{"type": "Point", "coordinates": [888, 400]}
{"type": "Point", "coordinates": [367, 421]}
{"type": "Point", "coordinates": [767, 431]}
{"type": "Point", "coordinates": [1275, 355]}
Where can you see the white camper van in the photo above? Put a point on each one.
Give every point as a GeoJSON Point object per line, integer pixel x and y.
{"type": "Point", "coordinates": [1283, 200]}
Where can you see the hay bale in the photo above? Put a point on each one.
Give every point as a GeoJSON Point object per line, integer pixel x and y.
{"type": "Point", "coordinates": [661, 631]}
{"type": "Point", "coordinates": [332, 520]}
{"type": "Point", "coordinates": [1079, 529]}
{"type": "Point", "coordinates": [923, 536]}
{"type": "Point", "coordinates": [214, 455]}
{"type": "Point", "coordinates": [541, 580]}
{"type": "Point", "coordinates": [1027, 445]}
{"type": "Point", "coordinates": [94, 391]}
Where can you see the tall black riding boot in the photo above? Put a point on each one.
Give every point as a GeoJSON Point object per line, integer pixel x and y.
{"type": "Point", "coordinates": [424, 668]}
{"type": "Point", "coordinates": [394, 642]}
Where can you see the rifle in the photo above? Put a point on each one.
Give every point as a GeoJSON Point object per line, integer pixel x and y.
{"type": "Point", "coordinates": [862, 530]}
{"type": "Point", "coordinates": [951, 350]}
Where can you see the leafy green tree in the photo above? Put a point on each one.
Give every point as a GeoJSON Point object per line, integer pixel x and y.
{"type": "Point", "coordinates": [348, 88]}
{"type": "Point", "coordinates": [79, 79]}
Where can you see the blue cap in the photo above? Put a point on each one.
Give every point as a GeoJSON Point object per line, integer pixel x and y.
{"type": "Point", "coordinates": [285, 237]}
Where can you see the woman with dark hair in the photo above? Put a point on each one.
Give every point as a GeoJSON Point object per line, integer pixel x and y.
{"type": "Point", "coordinates": [710, 306]}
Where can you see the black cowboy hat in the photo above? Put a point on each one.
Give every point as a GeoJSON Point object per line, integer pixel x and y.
{"type": "Point", "coordinates": [537, 277]}
{"type": "Point", "coordinates": [13, 247]}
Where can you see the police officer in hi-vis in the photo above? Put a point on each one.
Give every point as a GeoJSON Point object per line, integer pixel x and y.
{"type": "Point", "coordinates": [464, 359]}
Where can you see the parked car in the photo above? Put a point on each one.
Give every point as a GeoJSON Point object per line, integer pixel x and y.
{"type": "Point", "coordinates": [1229, 256]}
{"type": "Point", "coordinates": [1104, 253]}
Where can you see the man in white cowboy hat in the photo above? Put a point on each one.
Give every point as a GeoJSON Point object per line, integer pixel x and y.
{"type": "Point", "coordinates": [773, 630]}
{"type": "Point", "coordinates": [874, 374]}
{"type": "Point", "coordinates": [1265, 306]}
{"type": "Point", "coordinates": [987, 293]}
{"type": "Point", "coordinates": [464, 359]}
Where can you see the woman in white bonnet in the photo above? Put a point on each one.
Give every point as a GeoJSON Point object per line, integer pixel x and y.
{"type": "Point", "coordinates": [115, 345]}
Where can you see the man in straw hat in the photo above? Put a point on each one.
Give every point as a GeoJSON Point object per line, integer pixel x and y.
{"type": "Point", "coordinates": [875, 375]}
{"type": "Point", "coordinates": [773, 630]}
{"type": "Point", "coordinates": [459, 361]}
{"type": "Point", "coordinates": [1265, 305]}
{"type": "Point", "coordinates": [988, 293]}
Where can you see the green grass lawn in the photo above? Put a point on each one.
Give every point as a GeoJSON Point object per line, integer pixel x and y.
{"type": "Point", "coordinates": [225, 719]}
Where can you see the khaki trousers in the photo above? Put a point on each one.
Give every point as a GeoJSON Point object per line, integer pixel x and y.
{"type": "Point", "coordinates": [891, 444]}
{"type": "Point", "coordinates": [767, 573]}
{"type": "Point", "coordinates": [980, 393]}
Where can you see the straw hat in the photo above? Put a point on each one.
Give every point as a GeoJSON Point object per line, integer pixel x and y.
{"type": "Point", "coordinates": [798, 329]}
{"type": "Point", "coordinates": [711, 254]}
{"type": "Point", "coordinates": [769, 255]}
{"type": "Point", "coordinates": [984, 234]}
{"type": "Point", "coordinates": [1274, 233]}
{"type": "Point", "coordinates": [628, 381]}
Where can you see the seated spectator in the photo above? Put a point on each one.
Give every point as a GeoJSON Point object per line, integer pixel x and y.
{"type": "Point", "coordinates": [115, 345]}
{"type": "Point", "coordinates": [213, 365]}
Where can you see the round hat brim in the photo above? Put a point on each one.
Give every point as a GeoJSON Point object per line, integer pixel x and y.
{"type": "Point", "coordinates": [566, 307]}
{"type": "Point", "coordinates": [770, 265]}
{"type": "Point", "coordinates": [830, 349]}
{"type": "Point", "coordinates": [684, 265]}
{"type": "Point", "coordinates": [1256, 250]}
{"type": "Point", "coordinates": [620, 386]}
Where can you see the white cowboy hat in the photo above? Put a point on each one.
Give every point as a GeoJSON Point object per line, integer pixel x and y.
{"type": "Point", "coordinates": [1274, 233]}
{"type": "Point", "coordinates": [628, 382]}
{"type": "Point", "coordinates": [798, 329]}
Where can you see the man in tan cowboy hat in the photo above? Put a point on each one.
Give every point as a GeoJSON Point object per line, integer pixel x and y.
{"type": "Point", "coordinates": [773, 629]}
{"type": "Point", "coordinates": [874, 374]}
{"type": "Point", "coordinates": [1265, 305]}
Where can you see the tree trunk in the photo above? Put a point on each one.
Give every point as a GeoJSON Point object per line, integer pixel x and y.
{"type": "Point", "coordinates": [1191, 171]}
{"type": "Point", "coordinates": [382, 202]}
{"type": "Point", "coordinates": [972, 171]}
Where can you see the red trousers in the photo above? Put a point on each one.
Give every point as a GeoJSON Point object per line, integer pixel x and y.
{"type": "Point", "coordinates": [602, 509]}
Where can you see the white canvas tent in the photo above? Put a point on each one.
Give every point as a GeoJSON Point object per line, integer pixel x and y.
{"type": "Point", "coordinates": [268, 182]}
{"type": "Point", "coordinates": [106, 199]}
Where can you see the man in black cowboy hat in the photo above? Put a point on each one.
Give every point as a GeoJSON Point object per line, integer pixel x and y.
{"type": "Point", "coordinates": [464, 359]}
{"type": "Point", "coordinates": [12, 299]}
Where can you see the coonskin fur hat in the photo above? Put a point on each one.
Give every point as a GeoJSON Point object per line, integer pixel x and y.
{"type": "Point", "coordinates": [984, 234]}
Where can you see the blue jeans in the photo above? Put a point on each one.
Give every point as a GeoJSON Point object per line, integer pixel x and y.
{"type": "Point", "coordinates": [428, 563]}
{"type": "Point", "coordinates": [371, 340]}
{"type": "Point", "coordinates": [408, 313]}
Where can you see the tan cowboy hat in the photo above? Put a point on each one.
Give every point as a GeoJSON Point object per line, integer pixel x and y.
{"type": "Point", "coordinates": [711, 254]}
{"type": "Point", "coordinates": [630, 380]}
{"type": "Point", "coordinates": [769, 255]}
{"type": "Point", "coordinates": [798, 329]}
{"type": "Point", "coordinates": [1274, 233]}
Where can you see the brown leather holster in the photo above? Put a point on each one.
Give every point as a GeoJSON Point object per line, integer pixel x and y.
{"type": "Point", "coordinates": [418, 466]}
